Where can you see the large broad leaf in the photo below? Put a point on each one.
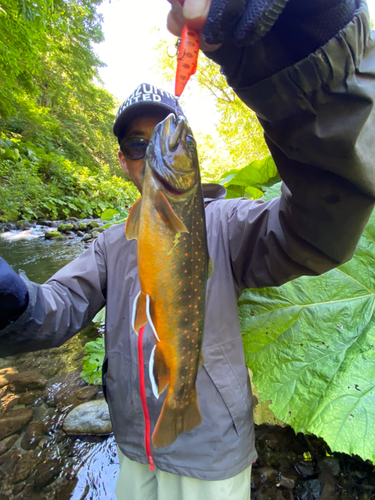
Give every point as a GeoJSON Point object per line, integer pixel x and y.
{"type": "Point", "coordinates": [311, 346]}
{"type": "Point", "coordinates": [252, 180]}
{"type": "Point", "coordinates": [93, 361]}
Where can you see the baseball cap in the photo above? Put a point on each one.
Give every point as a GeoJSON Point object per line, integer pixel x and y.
{"type": "Point", "coordinates": [144, 96]}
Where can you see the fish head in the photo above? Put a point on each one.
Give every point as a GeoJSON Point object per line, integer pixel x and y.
{"type": "Point", "coordinates": [172, 155]}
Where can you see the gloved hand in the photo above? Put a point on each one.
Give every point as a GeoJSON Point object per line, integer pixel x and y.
{"type": "Point", "coordinates": [14, 296]}
{"type": "Point", "coordinates": [261, 37]}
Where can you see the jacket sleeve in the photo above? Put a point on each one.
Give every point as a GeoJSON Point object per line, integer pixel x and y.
{"type": "Point", "coordinates": [62, 306]}
{"type": "Point", "coordinates": [318, 118]}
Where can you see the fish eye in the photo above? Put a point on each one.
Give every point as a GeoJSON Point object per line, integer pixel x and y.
{"type": "Point", "coordinates": [190, 142]}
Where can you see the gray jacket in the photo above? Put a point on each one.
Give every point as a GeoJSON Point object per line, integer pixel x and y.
{"type": "Point", "coordinates": [319, 123]}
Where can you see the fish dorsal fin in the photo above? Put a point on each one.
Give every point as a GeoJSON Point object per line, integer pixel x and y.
{"type": "Point", "coordinates": [159, 372]}
{"type": "Point", "coordinates": [132, 223]}
{"type": "Point", "coordinates": [139, 317]}
{"type": "Point", "coordinates": [167, 214]}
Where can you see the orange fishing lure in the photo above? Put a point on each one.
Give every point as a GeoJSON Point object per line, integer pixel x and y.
{"type": "Point", "coordinates": [187, 58]}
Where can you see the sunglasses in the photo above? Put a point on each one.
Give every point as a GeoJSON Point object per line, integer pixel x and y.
{"type": "Point", "coordinates": [134, 148]}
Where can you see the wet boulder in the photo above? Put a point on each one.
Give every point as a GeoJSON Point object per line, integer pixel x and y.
{"type": "Point", "coordinates": [89, 418]}
{"type": "Point", "coordinates": [5, 373]}
{"type": "Point", "coordinates": [27, 381]}
{"type": "Point", "coordinates": [13, 421]}
{"type": "Point", "coordinates": [64, 228]}
{"type": "Point", "coordinates": [32, 436]}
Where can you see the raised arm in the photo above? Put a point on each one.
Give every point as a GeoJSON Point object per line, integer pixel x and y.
{"type": "Point", "coordinates": [309, 75]}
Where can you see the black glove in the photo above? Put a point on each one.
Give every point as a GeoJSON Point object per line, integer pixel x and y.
{"type": "Point", "coordinates": [14, 296]}
{"type": "Point", "coordinates": [270, 35]}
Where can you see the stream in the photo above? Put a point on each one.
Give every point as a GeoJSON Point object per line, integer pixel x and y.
{"type": "Point", "coordinates": [50, 464]}
{"type": "Point", "coordinates": [39, 461]}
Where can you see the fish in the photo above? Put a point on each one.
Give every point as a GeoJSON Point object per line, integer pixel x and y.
{"type": "Point", "coordinates": [187, 58]}
{"type": "Point", "coordinates": [168, 222]}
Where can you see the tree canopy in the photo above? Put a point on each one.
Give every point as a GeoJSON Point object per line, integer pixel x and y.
{"type": "Point", "coordinates": [52, 99]}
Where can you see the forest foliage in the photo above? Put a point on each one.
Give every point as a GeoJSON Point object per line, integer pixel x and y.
{"type": "Point", "coordinates": [57, 150]}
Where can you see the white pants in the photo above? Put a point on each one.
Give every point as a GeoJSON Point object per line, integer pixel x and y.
{"type": "Point", "coordinates": [137, 482]}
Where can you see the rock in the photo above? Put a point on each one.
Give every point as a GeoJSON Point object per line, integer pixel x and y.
{"type": "Point", "coordinates": [87, 393]}
{"type": "Point", "coordinates": [27, 381]}
{"type": "Point", "coordinates": [100, 229]}
{"type": "Point", "coordinates": [93, 224]}
{"type": "Point", "coordinates": [24, 467]}
{"type": "Point", "coordinates": [332, 464]}
{"type": "Point", "coordinates": [53, 224]}
{"type": "Point", "coordinates": [52, 423]}
{"type": "Point", "coordinates": [82, 226]}
{"type": "Point", "coordinates": [94, 234]}
{"type": "Point", "coordinates": [74, 219]}
{"type": "Point", "coordinates": [63, 228]}
{"type": "Point", "coordinates": [7, 443]}
{"type": "Point", "coordinates": [286, 481]}
{"type": "Point", "coordinates": [80, 234]}
{"type": "Point", "coordinates": [61, 390]}
{"type": "Point", "coordinates": [30, 398]}
{"type": "Point", "coordinates": [49, 235]}
{"type": "Point", "coordinates": [4, 373]}
{"type": "Point", "coordinates": [13, 421]}
{"type": "Point", "coordinates": [23, 225]}
{"type": "Point", "coordinates": [7, 402]}
{"type": "Point", "coordinates": [87, 237]}
{"type": "Point", "coordinates": [89, 418]}
{"type": "Point", "coordinates": [32, 436]}
{"type": "Point", "coordinates": [267, 475]}
{"type": "Point", "coordinates": [46, 473]}
{"type": "Point", "coordinates": [18, 488]}
{"type": "Point", "coordinates": [75, 226]}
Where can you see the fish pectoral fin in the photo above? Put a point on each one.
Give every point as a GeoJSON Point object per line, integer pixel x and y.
{"type": "Point", "coordinates": [132, 223]}
{"type": "Point", "coordinates": [175, 419]}
{"type": "Point", "coordinates": [158, 371]}
{"type": "Point", "coordinates": [161, 370]}
{"type": "Point", "coordinates": [139, 318]}
{"type": "Point", "coordinates": [167, 214]}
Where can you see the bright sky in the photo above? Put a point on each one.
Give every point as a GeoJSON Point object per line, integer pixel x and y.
{"type": "Point", "coordinates": [130, 57]}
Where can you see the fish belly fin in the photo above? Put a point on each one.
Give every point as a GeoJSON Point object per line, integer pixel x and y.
{"type": "Point", "coordinates": [174, 420]}
{"type": "Point", "coordinates": [139, 317]}
{"type": "Point", "coordinates": [210, 267]}
{"type": "Point", "coordinates": [132, 223]}
{"type": "Point", "coordinates": [158, 371]}
{"type": "Point", "coordinates": [167, 214]}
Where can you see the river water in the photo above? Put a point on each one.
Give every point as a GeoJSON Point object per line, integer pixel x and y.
{"type": "Point", "coordinates": [89, 465]}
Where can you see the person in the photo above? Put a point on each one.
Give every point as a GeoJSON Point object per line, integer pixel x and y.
{"type": "Point", "coordinates": [307, 70]}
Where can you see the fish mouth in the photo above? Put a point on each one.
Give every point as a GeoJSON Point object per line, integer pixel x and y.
{"type": "Point", "coordinates": [165, 184]}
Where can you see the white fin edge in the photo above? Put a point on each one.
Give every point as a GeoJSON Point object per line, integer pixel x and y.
{"type": "Point", "coordinates": [154, 386]}
{"type": "Point", "coordinates": [149, 317]}
{"type": "Point", "coordinates": [134, 311]}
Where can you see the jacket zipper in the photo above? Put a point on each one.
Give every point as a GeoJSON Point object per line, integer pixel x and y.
{"type": "Point", "coordinates": [142, 388]}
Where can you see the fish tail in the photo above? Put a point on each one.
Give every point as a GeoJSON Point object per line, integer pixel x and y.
{"type": "Point", "coordinates": [175, 419]}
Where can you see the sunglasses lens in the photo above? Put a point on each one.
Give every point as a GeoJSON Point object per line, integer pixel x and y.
{"type": "Point", "coordinates": [134, 148]}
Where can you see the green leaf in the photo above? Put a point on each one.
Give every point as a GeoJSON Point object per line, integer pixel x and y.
{"type": "Point", "coordinates": [109, 213]}
{"type": "Point", "coordinates": [311, 346]}
{"type": "Point", "coordinates": [272, 192]}
{"type": "Point", "coordinates": [100, 316]}
{"type": "Point", "coordinates": [93, 361]}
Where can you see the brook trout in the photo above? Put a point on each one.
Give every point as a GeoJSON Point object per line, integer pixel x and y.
{"type": "Point", "coordinates": [169, 223]}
